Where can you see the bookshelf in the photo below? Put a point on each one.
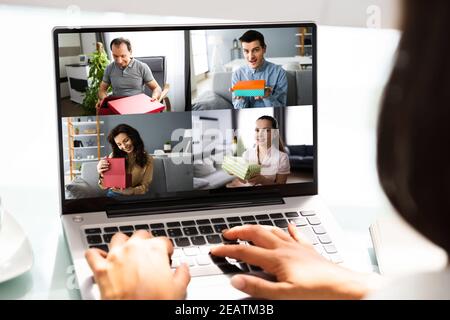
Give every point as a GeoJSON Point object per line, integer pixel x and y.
{"type": "Point", "coordinates": [304, 46]}
{"type": "Point", "coordinates": [85, 142]}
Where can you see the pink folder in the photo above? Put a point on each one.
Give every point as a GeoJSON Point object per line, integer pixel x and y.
{"type": "Point", "coordinates": [116, 176]}
{"type": "Point", "coordinates": [138, 104]}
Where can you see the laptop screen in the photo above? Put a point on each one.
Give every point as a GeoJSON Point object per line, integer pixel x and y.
{"type": "Point", "coordinates": [185, 112]}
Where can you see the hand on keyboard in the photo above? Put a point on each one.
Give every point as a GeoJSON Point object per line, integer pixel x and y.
{"type": "Point", "coordinates": [138, 268]}
{"type": "Point", "coordinates": [301, 272]}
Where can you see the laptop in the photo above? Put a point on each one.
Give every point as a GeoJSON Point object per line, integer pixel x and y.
{"type": "Point", "coordinates": [189, 197]}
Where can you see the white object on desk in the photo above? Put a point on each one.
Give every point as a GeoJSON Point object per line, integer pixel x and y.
{"type": "Point", "coordinates": [401, 250]}
{"type": "Point", "coordinates": [16, 255]}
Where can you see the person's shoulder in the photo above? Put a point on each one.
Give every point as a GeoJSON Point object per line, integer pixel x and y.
{"type": "Point", "coordinates": [109, 67]}
{"type": "Point", "coordinates": [276, 67]}
{"type": "Point", "coordinates": [140, 65]}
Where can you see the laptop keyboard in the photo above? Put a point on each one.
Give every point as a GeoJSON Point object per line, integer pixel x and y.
{"type": "Point", "coordinates": [192, 239]}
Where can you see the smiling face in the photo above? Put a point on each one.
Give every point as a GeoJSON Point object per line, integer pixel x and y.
{"type": "Point", "coordinates": [263, 133]}
{"type": "Point", "coordinates": [253, 53]}
{"type": "Point", "coordinates": [121, 55]}
{"type": "Point", "coordinates": [124, 143]}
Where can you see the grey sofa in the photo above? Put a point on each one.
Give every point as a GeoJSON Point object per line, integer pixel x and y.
{"type": "Point", "coordinates": [167, 177]}
{"type": "Point", "coordinates": [299, 91]}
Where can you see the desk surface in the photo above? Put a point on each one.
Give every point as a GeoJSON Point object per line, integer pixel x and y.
{"type": "Point", "coordinates": [349, 95]}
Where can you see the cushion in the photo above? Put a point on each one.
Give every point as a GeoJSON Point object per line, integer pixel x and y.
{"type": "Point", "coordinates": [204, 168]}
{"type": "Point", "coordinates": [79, 188]}
{"type": "Point", "coordinates": [210, 101]}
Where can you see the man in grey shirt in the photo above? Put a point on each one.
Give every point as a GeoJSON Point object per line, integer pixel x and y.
{"type": "Point", "coordinates": [126, 75]}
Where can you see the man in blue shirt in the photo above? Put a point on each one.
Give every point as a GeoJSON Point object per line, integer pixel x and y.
{"type": "Point", "coordinates": [258, 68]}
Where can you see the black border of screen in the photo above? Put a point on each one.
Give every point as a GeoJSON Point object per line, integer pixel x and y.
{"type": "Point", "coordinates": [102, 203]}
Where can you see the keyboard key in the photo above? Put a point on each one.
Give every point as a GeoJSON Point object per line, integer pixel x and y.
{"type": "Point", "coordinates": [217, 259]}
{"type": "Point", "coordinates": [205, 249]}
{"type": "Point", "coordinates": [291, 214]}
{"type": "Point", "coordinates": [129, 234]}
{"type": "Point", "coordinates": [262, 217]}
{"type": "Point", "coordinates": [217, 220]}
{"type": "Point", "coordinates": [329, 248]}
{"type": "Point", "coordinates": [313, 220]}
{"type": "Point", "coordinates": [188, 223]}
{"type": "Point", "coordinates": [157, 225]}
{"type": "Point", "coordinates": [248, 218]}
{"type": "Point", "coordinates": [213, 238]}
{"type": "Point", "coordinates": [173, 224]}
{"type": "Point", "coordinates": [250, 222]}
{"type": "Point", "coordinates": [307, 213]}
{"type": "Point", "coordinates": [192, 251]}
{"type": "Point", "coordinates": [319, 229]}
{"type": "Point", "coordinates": [266, 223]}
{"type": "Point", "coordinates": [198, 240]}
{"type": "Point", "coordinates": [190, 231]}
{"type": "Point", "coordinates": [324, 238]}
{"type": "Point", "coordinates": [174, 233]}
{"type": "Point", "coordinates": [159, 233]}
{"type": "Point", "coordinates": [213, 269]}
{"type": "Point", "coordinates": [307, 234]}
{"type": "Point", "coordinates": [205, 229]}
{"type": "Point", "coordinates": [236, 224]}
{"type": "Point", "coordinates": [227, 241]}
{"type": "Point", "coordinates": [220, 227]}
{"type": "Point", "coordinates": [276, 215]}
{"type": "Point", "coordinates": [255, 268]}
{"type": "Point", "coordinates": [190, 261]}
{"type": "Point", "coordinates": [177, 253]}
{"type": "Point", "coordinates": [175, 263]}
{"type": "Point", "coordinates": [111, 229]}
{"type": "Point", "coordinates": [92, 231]}
{"type": "Point", "coordinates": [299, 221]}
{"type": "Point", "coordinates": [182, 242]}
{"type": "Point", "coordinates": [103, 247]}
{"type": "Point", "coordinates": [203, 260]}
{"type": "Point", "coordinates": [141, 227]}
{"type": "Point", "coordinates": [281, 223]}
{"type": "Point", "coordinates": [233, 219]}
{"type": "Point", "coordinates": [319, 248]}
{"type": "Point", "coordinates": [107, 237]}
{"type": "Point", "coordinates": [94, 239]}
{"type": "Point", "coordinates": [203, 221]}
{"type": "Point", "coordinates": [126, 228]}
{"type": "Point", "coordinates": [336, 258]}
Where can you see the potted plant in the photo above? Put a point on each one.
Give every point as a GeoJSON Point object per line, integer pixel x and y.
{"type": "Point", "coordinates": [97, 64]}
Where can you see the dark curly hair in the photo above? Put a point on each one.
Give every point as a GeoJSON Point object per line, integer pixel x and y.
{"type": "Point", "coordinates": [138, 144]}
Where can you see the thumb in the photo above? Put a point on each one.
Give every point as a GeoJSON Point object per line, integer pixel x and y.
{"type": "Point", "coordinates": [181, 278]}
{"type": "Point", "coordinates": [259, 288]}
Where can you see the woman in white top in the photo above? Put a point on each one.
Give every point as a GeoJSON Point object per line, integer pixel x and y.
{"type": "Point", "coordinates": [268, 152]}
{"type": "Point", "coordinates": [414, 171]}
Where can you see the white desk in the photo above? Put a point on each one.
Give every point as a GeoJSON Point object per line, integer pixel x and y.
{"type": "Point", "coordinates": [348, 101]}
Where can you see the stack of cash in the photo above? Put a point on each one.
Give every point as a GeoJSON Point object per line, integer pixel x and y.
{"type": "Point", "coordinates": [240, 168]}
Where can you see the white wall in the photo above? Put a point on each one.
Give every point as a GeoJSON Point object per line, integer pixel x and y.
{"type": "Point", "coordinates": [356, 13]}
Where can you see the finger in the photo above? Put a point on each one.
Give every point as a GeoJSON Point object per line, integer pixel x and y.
{"type": "Point", "coordinates": [296, 235]}
{"type": "Point", "coordinates": [255, 233]}
{"type": "Point", "coordinates": [260, 288]}
{"type": "Point", "coordinates": [118, 240]}
{"type": "Point", "coordinates": [250, 254]}
{"type": "Point", "coordinates": [182, 277]}
{"type": "Point", "coordinates": [162, 242]}
{"type": "Point", "coordinates": [98, 265]}
{"type": "Point", "coordinates": [95, 259]}
{"type": "Point", "coordinates": [141, 234]}
{"type": "Point", "coordinates": [280, 234]}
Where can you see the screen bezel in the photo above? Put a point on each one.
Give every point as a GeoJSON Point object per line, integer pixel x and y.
{"type": "Point", "coordinates": [101, 204]}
